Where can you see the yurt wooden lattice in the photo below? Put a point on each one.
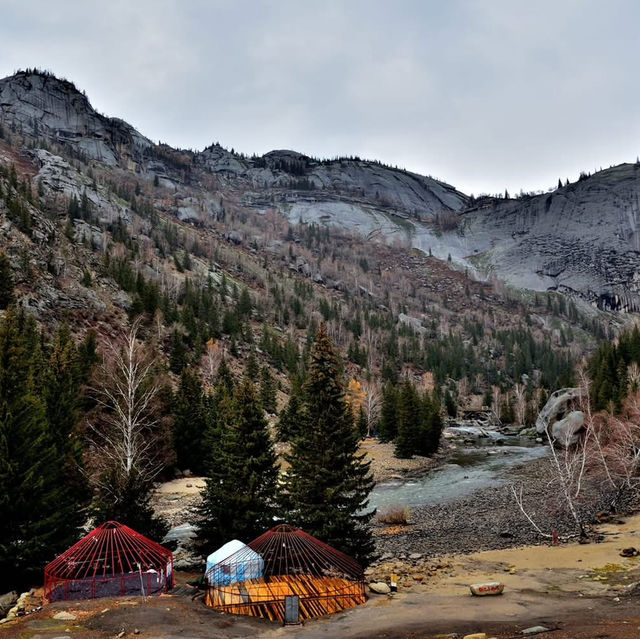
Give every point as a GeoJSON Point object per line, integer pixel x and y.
{"type": "Point", "coordinates": [284, 563]}
{"type": "Point", "coordinates": [111, 561]}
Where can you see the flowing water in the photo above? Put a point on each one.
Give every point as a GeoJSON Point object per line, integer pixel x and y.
{"type": "Point", "coordinates": [471, 468]}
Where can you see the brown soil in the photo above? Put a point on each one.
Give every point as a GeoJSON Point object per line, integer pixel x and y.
{"type": "Point", "coordinates": [577, 591]}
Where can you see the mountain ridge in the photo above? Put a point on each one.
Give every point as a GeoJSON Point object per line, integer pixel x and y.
{"type": "Point", "coordinates": [582, 238]}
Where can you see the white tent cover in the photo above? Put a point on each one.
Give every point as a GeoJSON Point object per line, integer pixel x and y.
{"type": "Point", "coordinates": [227, 565]}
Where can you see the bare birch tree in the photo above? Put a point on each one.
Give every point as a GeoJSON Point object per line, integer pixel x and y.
{"type": "Point", "coordinates": [127, 441]}
{"type": "Point", "coordinates": [372, 404]}
{"type": "Point", "coordinates": [520, 404]}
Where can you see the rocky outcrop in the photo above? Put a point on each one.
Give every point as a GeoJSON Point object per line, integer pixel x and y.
{"type": "Point", "coordinates": [566, 432]}
{"type": "Point", "coordinates": [284, 178]}
{"type": "Point", "coordinates": [582, 238]}
{"type": "Point", "coordinates": [39, 105]}
{"type": "Point", "coordinates": [556, 404]}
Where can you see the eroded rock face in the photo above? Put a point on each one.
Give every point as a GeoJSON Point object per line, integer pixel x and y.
{"type": "Point", "coordinates": [40, 105]}
{"type": "Point", "coordinates": [358, 182]}
{"type": "Point", "coordinates": [582, 238]}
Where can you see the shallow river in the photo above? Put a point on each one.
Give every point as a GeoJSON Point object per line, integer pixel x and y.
{"type": "Point", "coordinates": [471, 468]}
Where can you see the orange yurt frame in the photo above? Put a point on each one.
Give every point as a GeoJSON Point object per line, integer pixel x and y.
{"type": "Point", "coordinates": [285, 563]}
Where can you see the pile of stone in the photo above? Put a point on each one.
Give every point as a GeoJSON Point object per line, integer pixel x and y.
{"type": "Point", "coordinates": [13, 605]}
{"type": "Point", "coordinates": [410, 570]}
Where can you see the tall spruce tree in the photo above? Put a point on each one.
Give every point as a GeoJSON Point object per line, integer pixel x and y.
{"type": "Point", "coordinates": [62, 392]}
{"type": "Point", "coordinates": [388, 423]}
{"type": "Point", "coordinates": [38, 512]}
{"type": "Point", "coordinates": [190, 423]}
{"type": "Point", "coordinates": [6, 282]}
{"type": "Point", "coordinates": [328, 482]}
{"type": "Point", "coordinates": [239, 499]}
{"type": "Point", "coordinates": [409, 421]}
{"type": "Point", "coordinates": [267, 391]}
{"type": "Point", "coordinates": [288, 426]}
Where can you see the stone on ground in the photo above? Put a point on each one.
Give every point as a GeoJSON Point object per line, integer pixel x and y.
{"type": "Point", "coordinates": [380, 588]}
{"type": "Point", "coordinates": [534, 630]}
{"type": "Point", "coordinates": [487, 588]}
{"type": "Point", "coordinates": [64, 616]}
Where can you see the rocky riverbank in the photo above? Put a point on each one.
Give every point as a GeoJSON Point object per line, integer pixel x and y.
{"type": "Point", "coordinates": [490, 519]}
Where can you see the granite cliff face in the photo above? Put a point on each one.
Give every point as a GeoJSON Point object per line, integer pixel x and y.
{"type": "Point", "coordinates": [41, 105]}
{"type": "Point", "coordinates": [582, 238]}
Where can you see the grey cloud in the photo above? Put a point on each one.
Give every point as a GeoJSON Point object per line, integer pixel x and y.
{"type": "Point", "coordinates": [485, 94]}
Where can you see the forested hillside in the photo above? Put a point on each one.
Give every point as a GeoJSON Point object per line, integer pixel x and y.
{"type": "Point", "coordinates": [102, 231]}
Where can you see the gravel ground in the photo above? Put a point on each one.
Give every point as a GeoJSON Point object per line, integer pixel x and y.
{"type": "Point", "coordinates": [490, 518]}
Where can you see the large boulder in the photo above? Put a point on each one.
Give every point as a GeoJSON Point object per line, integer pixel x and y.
{"type": "Point", "coordinates": [556, 404]}
{"type": "Point", "coordinates": [567, 431]}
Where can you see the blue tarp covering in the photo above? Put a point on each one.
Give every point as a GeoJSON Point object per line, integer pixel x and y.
{"type": "Point", "coordinates": [232, 563]}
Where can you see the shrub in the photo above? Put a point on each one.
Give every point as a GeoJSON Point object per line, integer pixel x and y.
{"type": "Point", "coordinates": [394, 515]}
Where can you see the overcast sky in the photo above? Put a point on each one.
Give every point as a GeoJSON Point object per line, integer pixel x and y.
{"type": "Point", "coordinates": [485, 94]}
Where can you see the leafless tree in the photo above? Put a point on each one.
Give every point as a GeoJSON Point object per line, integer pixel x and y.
{"type": "Point", "coordinates": [372, 404]}
{"type": "Point", "coordinates": [127, 441]}
{"type": "Point", "coordinates": [520, 404]}
{"type": "Point", "coordinates": [495, 398]}
{"type": "Point", "coordinates": [211, 360]}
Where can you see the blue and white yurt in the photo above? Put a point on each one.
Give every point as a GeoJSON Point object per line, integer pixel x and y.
{"type": "Point", "coordinates": [222, 573]}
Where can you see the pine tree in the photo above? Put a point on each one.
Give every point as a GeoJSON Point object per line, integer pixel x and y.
{"type": "Point", "coordinates": [450, 404]}
{"type": "Point", "coordinates": [239, 500]}
{"type": "Point", "coordinates": [6, 282]}
{"type": "Point", "coordinates": [267, 391]}
{"type": "Point", "coordinates": [388, 424]}
{"type": "Point", "coordinates": [87, 355]}
{"type": "Point", "coordinates": [328, 483]}
{"type": "Point", "coordinates": [224, 378]}
{"type": "Point", "coordinates": [362, 423]}
{"type": "Point", "coordinates": [244, 304]}
{"type": "Point", "coordinates": [62, 392]}
{"type": "Point", "coordinates": [177, 353]}
{"type": "Point", "coordinates": [189, 424]}
{"type": "Point", "coordinates": [409, 422]}
{"type": "Point", "coordinates": [251, 368]}
{"type": "Point", "coordinates": [289, 423]}
{"type": "Point", "coordinates": [38, 513]}
{"type": "Point", "coordinates": [430, 426]}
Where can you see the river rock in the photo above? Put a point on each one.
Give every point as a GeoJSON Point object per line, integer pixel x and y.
{"type": "Point", "coordinates": [557, 402]}
{"type": "Point", "coordinates": [566, 432]}
{"type": "Point", "coordinates": [534, 630]}
{"type": "Point", "coordinates": [63, 615]}
{"type": "Point", "coordinates": [7, 600]}
{"type": "Point", "coordinates": [487, 588]}
{"type": "Point", "coordinates": [182, 534]}
{"type": "Point", "coordinates": [380, 588]}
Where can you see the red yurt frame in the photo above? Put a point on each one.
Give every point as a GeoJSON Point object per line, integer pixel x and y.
{"type": "Point", "coordinates": [111, 561]}
{"type": "Point", "coordinates": [285, 563]}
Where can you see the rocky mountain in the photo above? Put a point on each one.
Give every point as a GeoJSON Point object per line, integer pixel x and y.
{"type": "Point", "coordinates": [581, 238]}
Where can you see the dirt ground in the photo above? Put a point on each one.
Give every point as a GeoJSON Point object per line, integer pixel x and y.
{"type": "Point", "coordinates": [577, 591]}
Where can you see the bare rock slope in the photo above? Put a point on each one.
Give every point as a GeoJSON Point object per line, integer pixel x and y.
{"type": "Point", "coordinates": [582, 238]}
